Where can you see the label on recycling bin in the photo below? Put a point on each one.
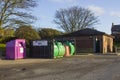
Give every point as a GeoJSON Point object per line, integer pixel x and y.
{"type": "Point", "coordinates": [21, 50]}
{"type": "Point", "coordinates": [40, 43]}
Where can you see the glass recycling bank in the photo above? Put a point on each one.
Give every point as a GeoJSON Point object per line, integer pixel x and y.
{"type": "Point", "coordinates": [50, 49]}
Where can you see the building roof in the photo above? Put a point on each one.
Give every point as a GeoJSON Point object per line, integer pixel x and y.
{"type": "Point", "coordinates": [115, 28]}
{"type": "Point", "coordinates": [86, 32]}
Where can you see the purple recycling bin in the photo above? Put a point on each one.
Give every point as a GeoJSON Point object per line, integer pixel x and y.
{"type": "Point", "coordinates": [16, 49]}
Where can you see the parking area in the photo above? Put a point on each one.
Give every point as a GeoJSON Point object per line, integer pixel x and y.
{"type": "Point", "coordinates": [81, 67]}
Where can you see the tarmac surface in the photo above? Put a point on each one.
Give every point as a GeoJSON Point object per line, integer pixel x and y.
{"type": "Point", "coordinates": [84, 67]}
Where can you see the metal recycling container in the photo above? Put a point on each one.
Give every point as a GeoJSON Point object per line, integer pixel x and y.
{"type": "Point", "coordinates": [61, 49]}
{"type": "Point", "coordinates": [42, 49]}
{"type": "Point", "coordinates": [16, 49]}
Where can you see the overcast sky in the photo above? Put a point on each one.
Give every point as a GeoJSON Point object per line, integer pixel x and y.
{"type": "Point", "coordinates": [107, 10]}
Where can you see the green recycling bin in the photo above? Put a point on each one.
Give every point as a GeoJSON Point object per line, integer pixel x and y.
{"type": "Point", "coordinates": [61, 49]}
{"type": "Point", "coordinates": [56, 51]}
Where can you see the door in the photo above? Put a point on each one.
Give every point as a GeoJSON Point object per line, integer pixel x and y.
{"type": "Point", "coordinates": [20, 48]}
{"type": "Point", "coordinates": [97, 46]}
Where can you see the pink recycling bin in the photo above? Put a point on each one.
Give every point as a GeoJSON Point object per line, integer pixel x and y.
{"type": "Point", "coordinates": [16, 49]}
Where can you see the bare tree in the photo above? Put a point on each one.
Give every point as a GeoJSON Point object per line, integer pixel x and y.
{"type": "Point", "coordinates": [15, 12]}
{"type": "Point", "coordinates": [75, 18]}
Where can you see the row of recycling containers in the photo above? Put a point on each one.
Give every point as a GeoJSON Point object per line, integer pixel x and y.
{"type": "Point", "coordinates": [65, 49]}
{"type": "Point", "coordinates": [51, 49]}
{"type": "Point", "coordinates": [16, 49]}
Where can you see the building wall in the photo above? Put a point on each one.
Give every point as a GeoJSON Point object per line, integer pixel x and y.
{"type": "Point", "coordinates": [87, 44]}
{"type": "Point", "coordinates": [84, 44]}
{"type": "Point", "coordinates": [107, 44]}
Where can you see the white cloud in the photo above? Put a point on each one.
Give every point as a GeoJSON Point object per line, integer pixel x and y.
{"type": "Point", "coordinates": [115, 13]}
{"type": "Point", "coordinates": [96, 9]}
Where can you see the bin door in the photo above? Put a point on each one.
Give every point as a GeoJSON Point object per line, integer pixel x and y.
{"type": "Point", "coordinates": [20, 51]}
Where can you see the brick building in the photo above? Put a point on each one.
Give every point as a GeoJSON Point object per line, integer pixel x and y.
{"type": "Point", "coordinates": [91, 41]}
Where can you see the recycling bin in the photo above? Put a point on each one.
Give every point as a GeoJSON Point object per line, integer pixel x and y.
{"type": "Point", "coordinates": [61, 49]}
{"type": "Point", "coordinates": [43, 49]}
{"type": "Point", "coordinates": [67, 51]}
{"type": "Point", "coordinates": [16, 49]}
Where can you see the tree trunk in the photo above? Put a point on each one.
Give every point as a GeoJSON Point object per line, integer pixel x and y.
{"type": "Point", "coordinates": [1, 30]}
{"type": "Point", "coordinates": [0, 24]}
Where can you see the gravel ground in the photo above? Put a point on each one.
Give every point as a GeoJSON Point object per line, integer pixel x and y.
{"type": "Point", "coordinates": [92, 67]}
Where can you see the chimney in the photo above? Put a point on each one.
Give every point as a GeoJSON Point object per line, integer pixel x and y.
{"type": "Point", "coordinates": [112, 28]}
{"type": "Point", "coordinates": [112, 24]}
